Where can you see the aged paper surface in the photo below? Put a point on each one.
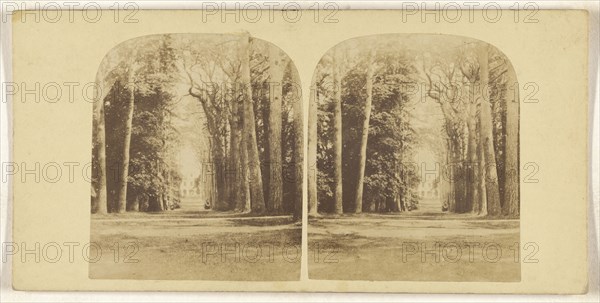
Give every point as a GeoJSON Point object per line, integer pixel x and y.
{"type": "Point", "coordinates": [418, 198]}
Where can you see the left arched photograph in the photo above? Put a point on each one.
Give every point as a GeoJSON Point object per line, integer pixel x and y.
{"type": "Point", "coordinates": [197, 160]}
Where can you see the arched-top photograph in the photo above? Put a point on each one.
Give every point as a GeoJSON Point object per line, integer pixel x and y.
{"type": "Point", "coordinates": [197, 140]}
{"type": "Point", "coordinates": [406, 131]}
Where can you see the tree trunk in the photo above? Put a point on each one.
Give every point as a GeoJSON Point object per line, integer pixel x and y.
{"type": "Point", "coordinates": [244, 202]}
{"type": "Point", "coordinates": [233, 170]}
{"type": "Point", "coordinates": [451, 176]}
{"type": "Point", "coordinates": [220, 202]}
{"type": "Point", "coordinates": [487, 139]}
{"type": "Point", "coordinates": [159, 202]}
{"type": "Point", "coordinates": [132, 201]}
{"type": "Point", "coordinates": [400, 198]}
{"type": "Point", "coordinates": [453, 158]}
{"type": "Point", "coordinates": [208, 176]}
{"type": "Point", "coordinates": [276, 68]}
{"type": "Point", "coordinates": [460, 180]}
{"type": "Point", "coordinates": [473, 199]}
{"type": "Point", "coordinates": [165, 200]}
{"type": "Point", "coordinates": [442, 193]}
{"type": "Point", "coordinates": [222, 162]}
{"type": "Point", "coordinates": [99, 202]}
{"type": "Point", "coordinates": [482, 210]}
{"type": "Point", "coordinates": [225, 184]}
{"type": "Point", "coordinates": [255, 176]}
{"type": "Point", "coordinates": [135, 205]}
{"type": "Point", "coordinates": [236, 158]}
{"type": "Point", "coordinates": [163, 193]}
{"type": "Point", "coordinates": [337, 136]}
{"type": "Point", "coordinates": [362, 157]}
{"type": "Point", "coordinates": [396, 205]}
{"type": "Point", "coordinates": [170, 195]}
{"type": "Point", "coordinates": [245, 174]}
{"type": "Point", "coordinates": [511, 164]}
{"type": "Point", "coordinates": [264, 153]}
{"type": "Point", "coordinates": [312, 173]}
{"type": "Point", "coordinates": [124, 172]}
{"type": "Point", "coordinates": [298, 152]}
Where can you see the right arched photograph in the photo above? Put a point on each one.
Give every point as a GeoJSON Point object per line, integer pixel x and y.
{"type": "Point", "coordinates": [413, 161]}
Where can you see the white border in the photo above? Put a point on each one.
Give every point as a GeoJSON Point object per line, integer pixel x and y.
{"type": "Point", "coordinates": [7, 294]}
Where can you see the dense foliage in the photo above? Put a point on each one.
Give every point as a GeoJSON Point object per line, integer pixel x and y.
{"type": "Point", "coordinates": [391, 137]}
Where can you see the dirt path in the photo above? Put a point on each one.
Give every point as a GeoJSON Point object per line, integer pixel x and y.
{"type": "Point", "coordinates": [184, 245]}
{"type": "Point", "coordinates": [413, 247]}
{"type": "Point", "coordinates": [429, 206]}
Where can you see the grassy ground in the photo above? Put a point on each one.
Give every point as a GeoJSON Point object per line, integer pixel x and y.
{"type": "Point", "coordinates": [402, 247]}
{"type": "Point", "coordinates": [195, 244]}
{"type": "Point", "coordinates": [189, 244]}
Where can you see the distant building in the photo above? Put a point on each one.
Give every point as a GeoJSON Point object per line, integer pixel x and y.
{"type": "Point", "coordinates": [189, 187]}
{"type": "Point", "coordinates": [427, 189]}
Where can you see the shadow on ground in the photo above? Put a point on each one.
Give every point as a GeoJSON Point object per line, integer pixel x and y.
{"type": "Point", "coordinates": [202, 245]}
{"type": "Point", "coordinates": [401, 247]}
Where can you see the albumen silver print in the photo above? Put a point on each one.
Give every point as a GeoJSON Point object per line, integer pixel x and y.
{"type": "Point", "coordinates": [416, 143]}
{"type": "Point", "coordinates": [381, 151]}
{"type": "Point", "coordinates": [197, 159]}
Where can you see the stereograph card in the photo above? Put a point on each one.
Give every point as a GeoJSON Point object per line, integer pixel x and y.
{"type": "Point", "coordinates": [300, 150]}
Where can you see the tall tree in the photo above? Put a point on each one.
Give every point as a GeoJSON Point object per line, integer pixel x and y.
{"type": "Point", "coordinates": [247, 201]}
{"type": "Point", "coordinates": [254, 169]}
{"type": "Point", "coordinates": [312, 145]}
{"type": "Point", "coordinates": [233, 96]}
{"type": "Point", "coordinates": [236, 155]}
{"type": "Point", "coordinates": [441, 76]}
{"type": "Point", "coordinates": [298, 154]}
{"type": "Point", "coordinates": [276, 70]}
{"type": "Point", "coordinates": [153, 178]}
{"type": "Point", "coordinates": [511, 164]}
{"type": "Point", "coordinates": [337, 133]}
{"type": "Point", "coordinates": [99, 201]}
{"type": "Point", "coordinates": [362, 158]}
{"type": "Point", "coordinates": [473, 197]}
{"type": "Point", "coordinates": [124, 167]}
{"type": "Point", "coordinates": [487, 139]}
{"type": "Point", "coordinates": [469, 71]}
{"type": "Point", "coordinates": [202, 72]}
{"type": "Point", "coordinates": [106, 77]}
{"type": "Point", "coordinates": [482, 206]}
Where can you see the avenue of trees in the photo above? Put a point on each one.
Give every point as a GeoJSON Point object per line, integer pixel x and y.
{"type": "Point", "coordinates": [354, 176]}
{"type": "Point", "coordinates": [250, 98]}
{"type": "Point", "coordinates": [364, 133]}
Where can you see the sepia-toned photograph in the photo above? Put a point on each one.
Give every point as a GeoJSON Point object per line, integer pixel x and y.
{"type": "Point", "coordinates": [263, 151]}
{"type": "Point", "coordinates": [197, 160]}
{"type": "Point", "coordinates": [413, 151]}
